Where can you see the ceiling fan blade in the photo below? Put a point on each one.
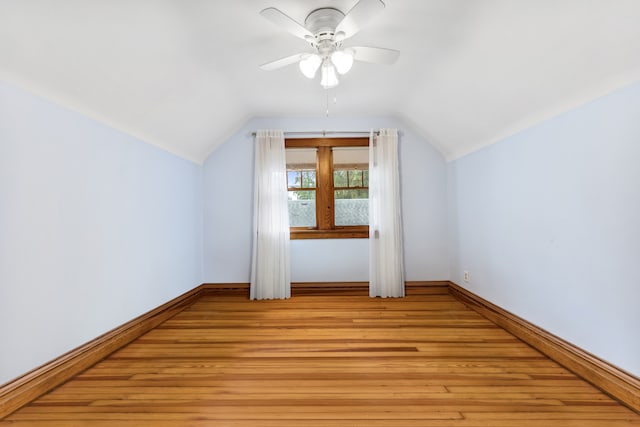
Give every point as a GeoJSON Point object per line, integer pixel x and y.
{"type": "Point", "coordinates": [283, 62]}
{"type": "Point", "coordinates": [377, 55]}
{"type": "Point", "coordinates": [285, 22]}
{"type": "Point", "coordinates": [358, 16]}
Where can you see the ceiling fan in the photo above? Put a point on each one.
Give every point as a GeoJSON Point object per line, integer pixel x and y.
{"type": "Point", "coordinates": [326, 29]}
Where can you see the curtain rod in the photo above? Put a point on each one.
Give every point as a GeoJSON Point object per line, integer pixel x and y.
{"type": "Point", "coordinates": [328, 132]}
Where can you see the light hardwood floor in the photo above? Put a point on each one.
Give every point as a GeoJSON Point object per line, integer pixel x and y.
{"type": "Point", "coordinates": [325, 361]}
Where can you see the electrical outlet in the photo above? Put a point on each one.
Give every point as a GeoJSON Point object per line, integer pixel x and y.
{"type": "Point", "coordinates": [466, 276]}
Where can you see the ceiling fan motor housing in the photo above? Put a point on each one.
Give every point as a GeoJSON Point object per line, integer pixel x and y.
{"type": "Point", "coordinates": [322, 23]}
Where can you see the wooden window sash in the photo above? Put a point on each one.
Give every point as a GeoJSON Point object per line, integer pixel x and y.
{"type": "Point", "coordinates": [325, 190]}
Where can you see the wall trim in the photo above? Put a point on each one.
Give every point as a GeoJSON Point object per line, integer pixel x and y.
{"type": "Point", "coordinates": [612, 380]}
{"type": "Point", "coordinates": [35, 383]}
{"type": "Point", "coordinates": [619, 384]}
{"type": "Point", "coordinates": [298, 288]}
{"type": "Point", "coordinates": [245, 285]}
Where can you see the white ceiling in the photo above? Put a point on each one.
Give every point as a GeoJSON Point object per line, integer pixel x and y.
{"type": "Point", "coordinates": [183, 74]}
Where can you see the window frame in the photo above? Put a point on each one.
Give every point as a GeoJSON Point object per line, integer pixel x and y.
{"type": "Point", "coordinates": [325, 206]}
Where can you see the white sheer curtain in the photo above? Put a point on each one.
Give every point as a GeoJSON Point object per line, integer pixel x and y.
{"type": "Point", "coordinates": [386, 262]}
{"type": "Point", "coordinates": [270, 265]}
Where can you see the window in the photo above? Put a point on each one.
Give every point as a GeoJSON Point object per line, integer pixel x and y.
{"type": "Point", "coordinates": [328, 180]}
{"type": "Point", "coordinates": [301, 183]}
{"type": "Point", "coordinates": [351, 185]}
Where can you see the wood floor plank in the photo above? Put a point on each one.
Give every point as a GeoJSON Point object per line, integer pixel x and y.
{"type": "Point", "coordinates": [326, 360]}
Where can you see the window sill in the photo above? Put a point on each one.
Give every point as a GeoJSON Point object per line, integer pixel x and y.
{"type": "Point", "coordinates": [353, 232]}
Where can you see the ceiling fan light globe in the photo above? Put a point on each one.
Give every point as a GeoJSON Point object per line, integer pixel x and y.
{"type": "Point", "coordinates": [329, 76]}
{"type": "Point", "coordinates": [342, 60]}
{"type": "Point", "coordinates": [309, 66]}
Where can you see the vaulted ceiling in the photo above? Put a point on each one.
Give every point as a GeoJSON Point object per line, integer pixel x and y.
{"type": "Point", "coordinates": [184, 74]}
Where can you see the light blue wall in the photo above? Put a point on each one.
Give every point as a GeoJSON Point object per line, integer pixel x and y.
{"type": "Point", "coordinates": [96, 228]}
{"type": "Point", "coordinates": [547, 222]}
{"type": "Point", "coordinates": [228, 187]}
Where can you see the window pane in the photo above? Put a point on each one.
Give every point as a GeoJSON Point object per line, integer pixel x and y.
{"type": "Point", "coordinates": [352, 207]}
{"type": "Point", "coordinates": [351, 166]}
{"type": "Point", "coordinates": [352, 194]}
{"type": "Point", "coordinates": [355, 178]}
{"type": "Point", "coordinates": [340, 178]}
{"type": "Point", "coordinates": [301, 167]}
{"type": "Point", "coordinates": [293, 179]}
{"type": "Point", "coordinates": [309, 178]}
{"type": "Point", "coordinates": [301, 173]}
{"type": "Point", "coordinates": [302, 208]}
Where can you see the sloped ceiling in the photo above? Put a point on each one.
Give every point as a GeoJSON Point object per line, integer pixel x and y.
{"type": "Point", "coordinates": [183, 74]}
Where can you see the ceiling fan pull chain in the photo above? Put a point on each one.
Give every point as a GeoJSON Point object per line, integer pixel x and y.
{"type": "Point", "coordinates": [327, 110]}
